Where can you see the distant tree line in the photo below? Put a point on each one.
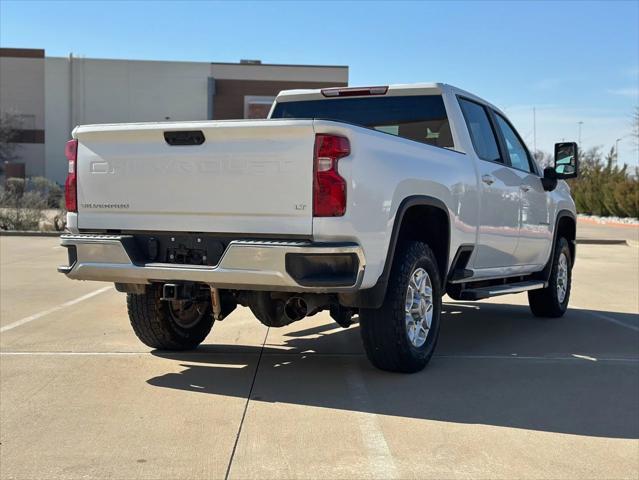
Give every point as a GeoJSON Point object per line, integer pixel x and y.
{"type": "Point", "coordinates": [602, 187]}
{"type": "Point", "coordinates": [605, 188]}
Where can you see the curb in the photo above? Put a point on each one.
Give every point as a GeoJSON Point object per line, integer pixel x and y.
{"type": "Point", "coordinates": [18, 233]}
{"type": "Point", "coordinates": [591, 221]}
{"type": "Point", "coordinates": [600, 241]}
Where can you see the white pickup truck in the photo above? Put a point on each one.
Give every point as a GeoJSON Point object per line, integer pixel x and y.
{"type": "Point", "coordinates": [371, 202]}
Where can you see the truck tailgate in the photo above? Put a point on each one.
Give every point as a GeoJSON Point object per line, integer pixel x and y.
{"type": "Point", "coordinates": [247, 177]}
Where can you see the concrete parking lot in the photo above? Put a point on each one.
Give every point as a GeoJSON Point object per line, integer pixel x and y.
{"type": "Point", "coordinates": [507, 395]}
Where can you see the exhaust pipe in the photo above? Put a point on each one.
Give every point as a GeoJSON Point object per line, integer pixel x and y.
{"type": "Point", "coordinates": [298, 307]}
{"type": "Point", "coordinates": [274, 312]}
{"type": "Point", "coordinates": [295, 308]}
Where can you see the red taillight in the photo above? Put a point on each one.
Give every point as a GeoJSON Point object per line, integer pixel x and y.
{"type": "Point", "coordinates": [329, 189]}
{"type": "Point", "coordinates": [71, 185]}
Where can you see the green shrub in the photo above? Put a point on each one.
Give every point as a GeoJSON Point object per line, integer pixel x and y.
{"type": "Point", "coordinates": [47, 189]}
{"type": "Point", "coordinates": [626, 195]}
{"type": "Point", "coordinates": [23, 202]}
{"type": "Point", "coordinates": [603, 188]}
{"type": "Point", "coordinates": [20, 209]}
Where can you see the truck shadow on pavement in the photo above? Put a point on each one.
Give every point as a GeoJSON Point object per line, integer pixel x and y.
{"type": "Point", "coordinates": [495, 365]}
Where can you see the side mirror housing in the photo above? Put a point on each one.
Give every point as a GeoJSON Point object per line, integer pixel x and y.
{"type": "Point", "coordinates": [549, 180]}
{"type": "Point", "coordinates": [566, 160]}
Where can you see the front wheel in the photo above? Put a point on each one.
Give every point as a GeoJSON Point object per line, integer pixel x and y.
{"type": "Point", "coordinates": [552, 301]}
{"type": "Point", "coordinates": [401, 335]}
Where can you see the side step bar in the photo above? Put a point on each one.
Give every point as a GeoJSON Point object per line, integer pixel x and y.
{"type": "Point", "coordinates": [493, 291]}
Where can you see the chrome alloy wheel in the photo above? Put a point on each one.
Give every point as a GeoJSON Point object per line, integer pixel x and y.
{"type": "Point", "coordinates": [562, 277]}
{"type": "Point", "coordinates": [419, 307]}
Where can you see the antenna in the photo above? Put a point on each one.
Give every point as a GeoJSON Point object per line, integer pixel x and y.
{"type": "Point", "coordinates": [534, 130]}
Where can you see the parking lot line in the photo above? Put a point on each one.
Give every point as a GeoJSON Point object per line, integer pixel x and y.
{"type": "Point", "coordinates": [61, 306]}
{"type": "Point", "coordinates": [612, 320]}
{"type": "Point", "coordinates": [380, 459]}
{"type": "Point", "coordinates": [575, 357]}
{"type": "Point", "coordinates": [74, 354]}
{"type": "Point", "coordinates": [248, 399]}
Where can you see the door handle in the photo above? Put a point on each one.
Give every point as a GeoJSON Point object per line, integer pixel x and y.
{"type": "Point", "coordinates": [487, 179]}
{"type": "Point", "coordinates": [524, 187]}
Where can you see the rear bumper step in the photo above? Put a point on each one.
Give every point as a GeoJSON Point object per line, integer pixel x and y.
{"type": "Point", "coordinates": [245, 265]}
{"type": "Point", "coordinates": [495, 290]}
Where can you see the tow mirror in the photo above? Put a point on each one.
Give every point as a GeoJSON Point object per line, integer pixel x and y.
{"type": "Point", "coordinates": [566, 161]}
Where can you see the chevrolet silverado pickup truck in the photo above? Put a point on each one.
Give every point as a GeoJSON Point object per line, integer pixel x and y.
{"type": "Point", "coordinates": [369, 202]}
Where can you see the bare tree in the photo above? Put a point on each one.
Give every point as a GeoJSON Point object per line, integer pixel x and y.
{"type": "Point", "coordinates": [10, 123]}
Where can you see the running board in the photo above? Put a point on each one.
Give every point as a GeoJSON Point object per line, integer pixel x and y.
{"type": "Point", "coordinates": [494, 290]}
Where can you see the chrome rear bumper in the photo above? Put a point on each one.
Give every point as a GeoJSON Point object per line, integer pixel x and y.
{"type": "Point", "coordinates": [245, 264]}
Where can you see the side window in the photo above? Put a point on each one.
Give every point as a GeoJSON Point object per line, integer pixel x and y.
{"type": "Point", "coordinates": [481, 132]}
{"type": "Point", "coordinates": [516, 150]}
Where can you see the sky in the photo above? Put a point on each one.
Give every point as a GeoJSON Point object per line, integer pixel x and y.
{"type": "Point", "coordinates": [570, 61]}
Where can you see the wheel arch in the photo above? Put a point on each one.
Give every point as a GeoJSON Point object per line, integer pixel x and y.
{"type": "Point", "coordinates": [418, 217]}
{"type": "Point", "coordinates": [566, 226]}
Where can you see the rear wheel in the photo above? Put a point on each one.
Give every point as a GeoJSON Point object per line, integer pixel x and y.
{"type": "Point", "coordinates": [401, 335]}
{"type": "Point", "coordinates": [552, 301]}
{"type": "Point", "coordinates": [169, 325]}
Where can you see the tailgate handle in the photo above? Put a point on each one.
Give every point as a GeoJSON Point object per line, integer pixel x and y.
{"type": "Point", "coordinates": [184, 137]}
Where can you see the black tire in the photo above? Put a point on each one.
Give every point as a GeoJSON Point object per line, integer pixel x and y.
{"type": "Point", "coordinates": [384, 330]}
{"type": "Point", "coordinates": [154, 321]}
{"type": "Point", "coordinates": [546, 302]}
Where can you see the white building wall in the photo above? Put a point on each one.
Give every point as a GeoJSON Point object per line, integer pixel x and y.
{"type": "Point", "coordinates": [90, 91]}
{"type": "Point", "coordinates": [114, 91]}
{"type": "Point", "coordinates": [117, 91]}
{"type": "Point", "coordinates": [282, 73]}
{"type": "Point", "coordinates": [22, 93]}
{"type": "Point", "coordinates": [58, 118]}
{"type": "Point", "coordinates": [22, 88]}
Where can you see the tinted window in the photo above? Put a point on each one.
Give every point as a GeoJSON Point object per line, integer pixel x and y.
{"type": "Point", "coordinates": [516, 150]}
{"type": "Point", "coordinates": [481, 132]}
{"type": "Point", "coordinates": [419, 118]}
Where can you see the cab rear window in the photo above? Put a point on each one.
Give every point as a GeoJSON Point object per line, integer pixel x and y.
{"type": "Point", "coordinates": [421, 118]}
